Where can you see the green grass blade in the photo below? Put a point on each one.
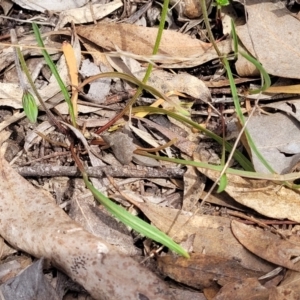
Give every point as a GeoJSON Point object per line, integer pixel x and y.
{"type": "Point", "coordinates": [240, 158]}
{"type": "Point", "coordinates": [223, 183]}
{"type": "Point", "coordinates": [235, 39]}
{"type": "Point", "coordinates": [263, 72]}
{"type": "Point", "coordinates": [134, 222]}
{"type": "Point", "coordinates": [54, 72]}
{"type": "Point", "coordinates": [241, 117]}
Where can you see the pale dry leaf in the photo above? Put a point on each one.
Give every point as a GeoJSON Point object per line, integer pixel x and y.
{"type": "Point", "coordinates": [188, 295]}
{"type": "Point", "coordinates": [267, 245]}
{"type": "Point", "coordinates": [99, 88]}
{"type": "Point", "coordinates": [140, 40]}
{"type": "Point", "coordinates": [144, 135]}
{"type": "Point", "coordinates": [290, 107]}
{"type": "Point", "coordinates": [12, 119]}
{"type": "Point", "coordinates": [32, 222]}
{"type": "Point", "coordinates": [50, 5]}
{"type": "Point", "coordinates": [273, 32]}
{"type": "Point", "coordinates": [11, 95]}
{"type": "Point", "coordinates": [63, 108]}
{"type": "Point", "coordinates": [85, 14]}
{"type": "Point", "coordinates": [33, 137]}
{"type": "Point", "coordinates": [184, 83]}
{"type": "Point", "coordinates": [99, 58]}
{"type": "Point", "coordinates": [28, 48]}
{"type": "Point", "coordinates": [267, 198]}
{"type": "Point", "coordinates": [278, 144]}
{"type": "Point", "coordinates": [145, 161]}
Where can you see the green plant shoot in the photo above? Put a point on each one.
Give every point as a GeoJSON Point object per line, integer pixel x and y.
{"type": "Point", "coordinates": [134, 222]}
{"type": "Point", "coordinates": [222, 3]}
{"type": "Point", "coordinates": [54, 71]}
{"type": "Point", "coordinates": [30, 106]}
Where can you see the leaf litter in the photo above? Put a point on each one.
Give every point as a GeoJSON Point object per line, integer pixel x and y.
{"type": "Point", "coordinates": [227, 257]}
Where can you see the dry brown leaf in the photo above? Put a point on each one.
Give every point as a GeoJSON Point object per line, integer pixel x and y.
{"type": "Point", "coordinates": [289, 286]}
{"type": "Point", "coordinates": [273, 32]}
{"type": "Point", "coordinates": [267, 245]}
{"type": "Point", "coordinates": [225, 82]}
{"type": "Point", "coordinates": [212, 234]}
{"type": "Point", "coordinates": [267, 198]}
{"type": "Point", "coordinates": [202, 271]}
{"type": "Point", "coordinates": [243, 66]}
{"type": "Point", "coordinates": [140, 40]}
{"type": "Point", "coordinates": [32, 222]}
{"type": "Point", "coordinates": [194, 184]}
{"type": "Point", "coordinates": [184, 83]}
{"type": "Point", "coordinates": [247, 289]}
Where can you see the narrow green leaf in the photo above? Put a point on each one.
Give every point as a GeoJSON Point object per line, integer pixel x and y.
{"type": "Point", "coordinates": [134, 222]}
{"type": "Point", "coordinates": [235, 39]}
{"type": "Point", "coordinates": [54, 71]}
{"type": "Point", "coordinates": [241, 116]}
{"type": "Point", "coordinates": [263, 72]}
{"type": "Point", "coordinates": [223, 183]}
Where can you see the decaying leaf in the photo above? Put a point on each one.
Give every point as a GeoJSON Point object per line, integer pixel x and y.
{"type": "Point", "coordinates": [87, 14]}
{"type": "Point", "coordinates": [194, 184]}
{"type": "Point", "coordinates": [184, 83]}
{"type": "Point", "coordinates": [282, 144]}
{"type": "Point", "coordinates": [56, 5]}
{"type": "Point", "coordinates": [121, 145]}
{"type": "Point", "coordinates": [182, 143]}
{"type": "Point", "coordinates": [246, 289]}
{"type": "Point", "coordinates": [267, 198]}
{"type": "Point", "coordinates": [202, 271]}
{"type": "Point", "coordinates": [212, 234]}
{"type": "Point", "coordinates": [273, 32]}
{"type": "Point", "coordinates": [99, 88]}
{"type": "Point", "coordinates": [30, 284]}
{"type": "Point", "coordinates": [267, 245]}
{"type": "Point", "coordinates": [291, 107]}
{"type": "Point", "coordinates": [32, 222]}
{"type": "Point", "coordinates": [140, 41]}
{"type": "Point", "coordinates": [288, 286]}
